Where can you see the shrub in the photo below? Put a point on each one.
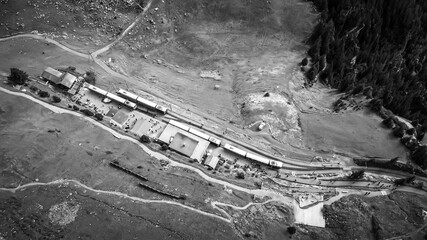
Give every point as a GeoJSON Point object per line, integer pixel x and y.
{"type": "Point", "coordinates": [304, 62]}
{"type": "Point", "coordinates": [164, 147]}
{"type": "Point", "coordinates": [292, 230]}
{"type": "Point", "coordinates": [99, 116]}
{"type": "Point", "coordinates": [240, 175]}
{"type": "Point", "coordinates": [398, 132]}
{"type": "Point", "coordinates": [44, 94]}
{"type": "Point", "coordinates": [17, 76]}
{"type": "Point", "coordinates": [145, 139]}
{"type": "Point", "coordinates": [33, 89]}
{"type": "Point", "coordinates": [405, 139]}
{"type": "Point", "coordinates": [56, 99]}
{"type": "Point", "coordinates": [410, 131]}
{"type": "Point", "coordinates": [70, 69]}
{"type": "Point", "coordinates": [388, 122]}
{"type": "Point", "coordinates": [76, 108]}
{"type": "Point", "coordinates": [357, 174]}
{"type": "Point", "coordinates": [311, 74]}
{"type": "Point", "coordinates": [90, 77]}
{"type": "Point", "coordinates": [87, 112]}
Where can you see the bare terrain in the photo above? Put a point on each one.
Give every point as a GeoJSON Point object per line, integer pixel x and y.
{"type": "Point", "coordinates": [46, 212]}
{"type": "Point", "coordinates": [227, 64]}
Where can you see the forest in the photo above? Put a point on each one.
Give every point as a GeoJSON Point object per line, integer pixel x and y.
{"type": "Point", "coordinates": [375, 46]}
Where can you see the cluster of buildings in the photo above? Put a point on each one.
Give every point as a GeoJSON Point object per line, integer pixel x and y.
{"type": "Point", "coordinates": [179, 137]}
{"type": "Point", "coordinates": [64, 80]}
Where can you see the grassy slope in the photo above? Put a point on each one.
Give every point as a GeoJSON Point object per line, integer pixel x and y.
{"type": "Point", "coordinates": [25, 215]}
{"type": "Point", "coordinates": [358, 133]}
{"type": "Point", "coordinates": [29, 151]}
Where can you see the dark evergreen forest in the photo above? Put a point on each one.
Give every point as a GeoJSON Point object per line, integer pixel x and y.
{"type": "Point", "coordinates": [375, 46]}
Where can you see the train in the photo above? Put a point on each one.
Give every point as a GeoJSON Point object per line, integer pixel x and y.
{"type": "Point", "coordinates": [142, 101]}
{"type": "Point", "coordinates": [111, 96]}
{"type": "Point", "coordinates": [271, 163]}
{"type": "Point", "coordinates": [195, 132]}
{"type": "Point", "coordinates": [227, 146]}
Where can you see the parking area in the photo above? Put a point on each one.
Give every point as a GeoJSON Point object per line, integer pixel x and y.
{"type": "Point", "coordinates": [94, 101]}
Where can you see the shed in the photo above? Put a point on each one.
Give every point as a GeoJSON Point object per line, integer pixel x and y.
{"type": "Point", "coordinates": [52, 75]}
{"type": "Point", "coordinates": [212, 161]}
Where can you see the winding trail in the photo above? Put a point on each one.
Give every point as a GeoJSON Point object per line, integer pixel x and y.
{"type": "Point", "coordinates": [215, 205]}
{"type": "Point", "coordinates": [106, 48]}
{"type": "Point", "coordinates": [65, 182]}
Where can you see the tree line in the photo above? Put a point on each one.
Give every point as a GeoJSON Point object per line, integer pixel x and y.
{"type": "Point", "coordinates": [375, 46]}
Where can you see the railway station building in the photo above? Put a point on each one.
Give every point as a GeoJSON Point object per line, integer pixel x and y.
{"type": "Point", "coordinates": [147, 126]}
{"type": "Point", "coordinates": [184, 142]}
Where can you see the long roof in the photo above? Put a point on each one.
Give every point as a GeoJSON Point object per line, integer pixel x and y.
{"type": "Point", "coordinates": [52, 75]}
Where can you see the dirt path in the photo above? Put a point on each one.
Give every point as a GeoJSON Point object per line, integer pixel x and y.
{"type": "Point", "coordinates": [81, 185]}
{"type": "Point", "coordinates": [106, 48]}
{"type": "Point", "coordinates": [216, 204]}
{"type": "Point", "coordinates": [42, 37]}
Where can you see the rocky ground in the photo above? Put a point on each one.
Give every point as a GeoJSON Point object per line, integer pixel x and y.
{"type": "Point", "coordinates": [358, 217]}
{"type": "Point", "coordinates": [92, 23]}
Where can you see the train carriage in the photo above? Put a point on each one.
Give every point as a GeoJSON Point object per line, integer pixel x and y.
{"type": "Point", "coordinates": [258, 158]}
{"type": "Point", "coordinates": [235, 150]}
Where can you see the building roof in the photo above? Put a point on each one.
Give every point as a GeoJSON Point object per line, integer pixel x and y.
{"type": "Point", "coordinates": [52, 75]}
{"type": "Point", "coordinates": [184, 144]}
{"type": "Point", "coordinates": [147, 126]}
{"type": "Point", "coordinates": [139, 129]}
{"type": "Point", "coordinates": [120, 118]}
{"type": "Point", "coordinates": [68, 80]}
{"type": "Point", "coordinates": [112, 112]}
{"type": "Point", "coordinates": [171, 130]}
{"type": "Point", "coordinates": [212, 161]}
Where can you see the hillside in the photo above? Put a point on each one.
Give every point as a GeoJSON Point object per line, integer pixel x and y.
{"type": "Point", "coordinates": [84, 24]}
{"type": "Point", "coordinates": [378, 47]}
{"type": "Point", "coordinates": [315, 74]}
{"type": "Point", "coordinates": [356, 217]}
